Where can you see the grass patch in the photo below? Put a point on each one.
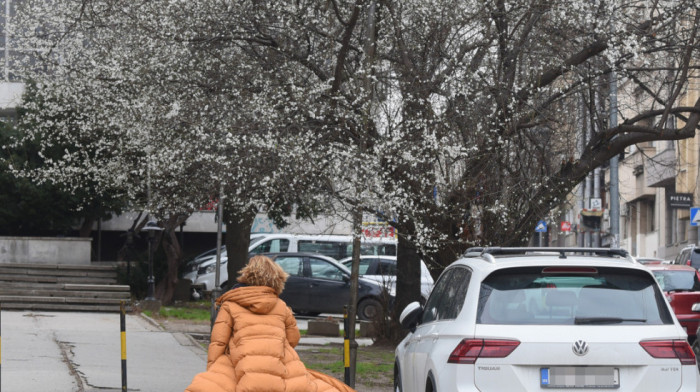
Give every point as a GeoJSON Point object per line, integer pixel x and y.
{"type": "Point", "coordinates": [185, 313]}
{"type": "Point", "coordinates": [375, 365]}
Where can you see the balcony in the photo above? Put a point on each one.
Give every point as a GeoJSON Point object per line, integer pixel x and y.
{"type": "Point", "coordinates": [633, 173]}
{"type": "Point", "coordinates": [660, 170]}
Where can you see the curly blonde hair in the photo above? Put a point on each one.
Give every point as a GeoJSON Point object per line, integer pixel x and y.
{"type": "Point", "coordinates": [262, 271]}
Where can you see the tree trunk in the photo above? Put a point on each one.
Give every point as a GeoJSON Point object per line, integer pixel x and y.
{"type": "Point", "coordinates": [86, 227]}
{"type": "Point", "coordinates": [408, 270]}
{"type": "Point", "coordinates": [165, 289]}
{"type": "Point", "coordinates": [237, 240]}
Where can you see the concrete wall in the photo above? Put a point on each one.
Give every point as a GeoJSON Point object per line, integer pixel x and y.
{"type": "Point", "coordinates": [45, 250]}
{"type": "Point", "coordinates": [204, 222]}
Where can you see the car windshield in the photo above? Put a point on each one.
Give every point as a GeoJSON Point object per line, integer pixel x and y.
{"type": "Point", "coordinates": [677, 280]}
{"type": "Point", "coordinates": [571, 295]}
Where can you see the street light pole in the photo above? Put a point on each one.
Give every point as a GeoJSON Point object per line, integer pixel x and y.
{"type": "Point", "coordinates": [151, 227]}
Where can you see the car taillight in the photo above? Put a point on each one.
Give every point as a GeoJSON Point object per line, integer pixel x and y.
{"type": "Point", "coordinates": [687, 262]}
{"type": "Point", "coordinates": [469, 350]}
{"type": "Point", "coordinates": [670, 349]}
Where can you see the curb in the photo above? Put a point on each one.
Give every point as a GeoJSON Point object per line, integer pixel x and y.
{"type": "Point", "coordinates": [151, 321]}
{"type": "Point", "coordinates": [193, 342]}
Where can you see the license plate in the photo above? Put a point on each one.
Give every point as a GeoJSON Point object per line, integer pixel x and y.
{"type": "Point", "coordinates": [580, 377]}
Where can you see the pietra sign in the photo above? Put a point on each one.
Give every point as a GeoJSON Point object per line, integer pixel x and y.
{"type": "Point", "coordinates": [679, 200]}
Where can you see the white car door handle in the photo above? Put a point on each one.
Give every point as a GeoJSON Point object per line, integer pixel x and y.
{"type": "Point", "coordinates": [434, 336]}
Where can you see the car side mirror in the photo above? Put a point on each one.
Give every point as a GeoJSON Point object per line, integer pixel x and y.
{"type": "Point", "coordinates": [346, 278]}
{"type": "Point", "coordinates": [695, 307]}
{"type": "Point", "coordinates": [410, 316]}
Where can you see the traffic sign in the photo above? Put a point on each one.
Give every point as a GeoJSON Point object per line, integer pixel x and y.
{"type": "Point", "coordinates": [695, 216]}
{"type": "Point", "coordinates": [541, 227]}
{"type": "Point", "coordinates": [565, 226]}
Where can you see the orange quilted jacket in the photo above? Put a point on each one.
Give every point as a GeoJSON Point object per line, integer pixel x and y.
{"type": "Point", "coordinates": [252, 348]}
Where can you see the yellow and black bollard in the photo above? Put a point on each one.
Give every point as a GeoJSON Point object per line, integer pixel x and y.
{"type": "Point", "coordinates": [122, 327]}
{"type": "Point", "coordinates": [0, 347]}
{"type": "Point", "coordinates": [346, 345]}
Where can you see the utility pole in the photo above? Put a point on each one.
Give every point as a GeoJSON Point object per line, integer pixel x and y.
{"type": "Point", "coordinates": [614, 164]}
{"type": "Point", "coordinates": [580, 191]}
{"type": "Point", "coordinates": [589, 178]}
{"type": "Point", "coordinates": [217, 277]}
{"type": "Point", "coordinates": [614, 178]}
{"type": "Point", "coordinates": [597, 173]}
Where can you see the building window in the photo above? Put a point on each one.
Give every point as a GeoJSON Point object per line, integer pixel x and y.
{"type": "Point", "coordinates": [12, 52]}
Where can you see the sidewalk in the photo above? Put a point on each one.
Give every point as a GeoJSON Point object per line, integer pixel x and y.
{"type": "Point", "coordinates": [81, 352]}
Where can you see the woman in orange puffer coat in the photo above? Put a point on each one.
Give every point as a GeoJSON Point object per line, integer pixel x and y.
{"type": "Point", "coordinates": [253, 340]}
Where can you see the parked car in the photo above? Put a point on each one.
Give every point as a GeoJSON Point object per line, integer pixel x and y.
{"type": "Point", "coordinates": [193, 265]}
{"type": "Point", "coordinates": [521, 319]}
{"type": "Point", "coordinates": [382, 269]}
{"type": "Point", "coordinates": [690, 255]}
{"type": "Point", "coordinates": [318, 284]}
{"type": "Point", "coordinates": [681, 284]}
{"type": "Point", "coordinates": [329, 245]}
{"type": "Point", "coordinates": [650, 260]}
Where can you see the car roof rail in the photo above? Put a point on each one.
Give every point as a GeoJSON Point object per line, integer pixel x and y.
{"type": "Point", "coordinates": [478, 251]}
{"type": "Point", "coordinates": [488, 252]}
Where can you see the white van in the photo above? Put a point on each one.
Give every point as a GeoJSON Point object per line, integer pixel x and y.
{"type": "Point", "coordinates": [335, 246]}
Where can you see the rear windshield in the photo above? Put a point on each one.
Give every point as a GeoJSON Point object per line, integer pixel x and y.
{"type": "Point", "coordinates": [568, 296]}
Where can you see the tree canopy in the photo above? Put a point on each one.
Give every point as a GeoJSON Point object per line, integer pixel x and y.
{"type": "Point", "coordinates": [459, 120]}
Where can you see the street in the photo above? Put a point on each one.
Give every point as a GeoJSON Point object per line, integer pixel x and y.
{"type": "Point", "coordinates": [81, 352]}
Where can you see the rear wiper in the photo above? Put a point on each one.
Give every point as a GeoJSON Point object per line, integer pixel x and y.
{"type": "Point", "coordinates": [605, 320]}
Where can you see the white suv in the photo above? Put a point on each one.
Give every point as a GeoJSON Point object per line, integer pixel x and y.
{"type": "Point", "coordinates": [534, 319]}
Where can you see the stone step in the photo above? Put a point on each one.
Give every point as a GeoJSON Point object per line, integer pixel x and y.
{"type": "Point", "coordinates": [68, 267]}
{"type": "Point", "coordinates": [64, 293]}
{"type": "Point", "coordinates": [61, 287]}
{"type": "Point", "coordinates": [101, 273]}
{"type": "Point", "coordinates": [58, 279]}
{"type": "Point", "coordinates": [96, 287]}
{"type": "Point", "coordinates": [64, 307]}
{"type": "Point", "coordinates": [5, 299]}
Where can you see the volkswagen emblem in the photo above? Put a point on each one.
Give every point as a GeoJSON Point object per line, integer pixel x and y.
{"type": "Point", "coordinates": [580, 347]}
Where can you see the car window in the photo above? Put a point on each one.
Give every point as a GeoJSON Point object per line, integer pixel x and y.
{"type": "Point", "coordinates": [370, 250]}
{"type": "Point", "coordinates": [685, 257]}
{"type": "Point", "coordinates": [332, 249]}
{"type": "Point", "coordinates": [365, 266]}
{"type": "Point", "coordinates": [694, 256]}
{"type": "Point", "coordinates": [321, 269]}
{"type": "Point", "coordinates": [447, 297]}
{"type": "Point", "coordinates": [292, 265]}
{"type": "Point", "coordinates": [386, 267]}
{"type": "Point", "coordinates": [272, 246]}
{"type": "Point", "coordinates": [674, 280]}
{"type": "Point", "coordinates": [570, 296]}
